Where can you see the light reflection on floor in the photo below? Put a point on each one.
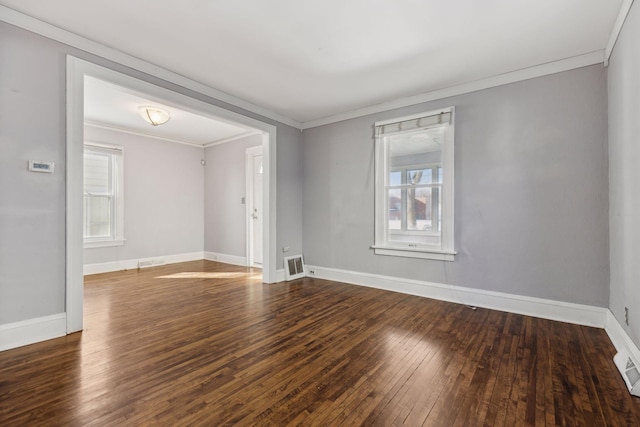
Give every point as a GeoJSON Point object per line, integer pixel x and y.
{"type": "Point", "coordinates": [400, 341]}
{"type": "Point", "coordinates": [96, 355]}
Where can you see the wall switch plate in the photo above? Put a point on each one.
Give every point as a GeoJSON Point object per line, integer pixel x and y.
{"type": "Point", "coordinates": [243, 200]}
{"type": "Point", "coordinates": [40, 166]}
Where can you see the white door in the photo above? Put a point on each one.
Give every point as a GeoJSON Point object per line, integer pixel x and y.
{"type": "Point", "coordinates": [254, 204]}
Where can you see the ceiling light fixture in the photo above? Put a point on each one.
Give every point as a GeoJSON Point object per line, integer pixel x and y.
{"type": "Point", "coordinates": [154, 115]}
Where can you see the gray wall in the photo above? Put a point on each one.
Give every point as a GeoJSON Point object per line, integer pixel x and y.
{"type": "Point", "coordinates": [32, 208]}
{"type": "Point", "coordinates": [289, 176]}
{"type": "Point", "coordinates": [624, 167]}
{"type": "Point", "coordinates": [32, 205]}
{"type": "Point", "coordinates": [225, 216]}
{"type": "Point", "coordinates": [530, 192]}
{"type": "Point", "coordinates": [163, 198]}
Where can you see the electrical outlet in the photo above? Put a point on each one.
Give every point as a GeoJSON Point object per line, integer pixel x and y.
{"type": "Point", "coordinates": [626, 315]}
{"type": "Point", "coordinates": [312, 272]}
{"type": "Point", "coordinates": [286, 248]}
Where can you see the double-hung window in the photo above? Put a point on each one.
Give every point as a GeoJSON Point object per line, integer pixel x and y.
{"type": "Point", "coordinates": [103, 196]}
{"type": "Point", "coordinates": [414, 186]}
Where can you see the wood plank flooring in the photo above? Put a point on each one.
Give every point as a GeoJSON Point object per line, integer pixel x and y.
{"type": "Point", "coordinates": [203, 343]}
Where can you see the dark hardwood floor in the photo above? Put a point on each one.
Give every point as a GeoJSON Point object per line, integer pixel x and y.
{"type": "Point", "coordinates": [203, 343]}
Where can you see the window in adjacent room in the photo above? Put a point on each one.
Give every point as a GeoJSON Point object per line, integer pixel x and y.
{"type": "Point", "coordinates": [103, 196]}
{"type": "Point", "coordinates": [414, 186]}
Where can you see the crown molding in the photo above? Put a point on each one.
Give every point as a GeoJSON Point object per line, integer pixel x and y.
{"type": "Point", "coordinates": [579, 61]}
{"type": "Point", "coordinates": [42, 28]}
{"type": "Point", "coordinates": [625, 8]}
{"type": "Point", "coordinates": [108, 126]}
{"type": "Point", "coordinates": [101, 125]}
{"type": "Point", "coordinates": [232, 138]}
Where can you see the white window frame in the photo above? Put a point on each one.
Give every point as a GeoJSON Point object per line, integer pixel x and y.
{"type": "Point", "coordinates": [445, 250]}
{"type": "Point", "coordinates": [117, 210]}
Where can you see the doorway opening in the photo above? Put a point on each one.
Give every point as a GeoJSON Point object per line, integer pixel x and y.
{"type": "Point", "coordinates": [254, 170]}
{"type": "Point", "coordinates": [77, 72]}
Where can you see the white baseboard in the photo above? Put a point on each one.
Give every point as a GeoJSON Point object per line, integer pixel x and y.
{"type": "Point", "coordinates": [536, 307]}
{"type": "Point", "coordinates": [619, 337]}
{"type": "Point", "coordinates": [131, 264]}
{"type": "Point", "coordinates": [279, 276]}
{"type": "Point", "coordinates": [227, 259]}
{"type": "Point", "coordinates": [108, 267]}
{"type": "Point", "coordinates": [30, 331]}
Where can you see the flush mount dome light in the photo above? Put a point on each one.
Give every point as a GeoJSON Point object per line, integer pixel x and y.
{"type": "Point", "coordinates": [154, 115]}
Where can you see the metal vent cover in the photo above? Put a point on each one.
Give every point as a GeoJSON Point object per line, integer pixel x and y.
{"type": "Point", "coordinates": [294, 267]}
{"type": "Point", "coordinates": [629, 371]}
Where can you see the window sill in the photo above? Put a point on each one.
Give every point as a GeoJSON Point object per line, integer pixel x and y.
{"type": "Point", "coordinates": [423, 253]}
{"type": "Point", "coordinates": [88, 244]}
{"type": "Point", "coordinates": [413, 233]}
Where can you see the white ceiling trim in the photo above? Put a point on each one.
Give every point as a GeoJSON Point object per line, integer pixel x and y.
{"type": "Point", "coordinates": [106, 126]}
{"type": "Point", "coordinates": [58, 34]}
{"type": "Point", "coordinates": [587, 59]}
{"type": "Point", "coordinates": [232, 138]}
{"type": "Point", "coordinates": [617, 28]}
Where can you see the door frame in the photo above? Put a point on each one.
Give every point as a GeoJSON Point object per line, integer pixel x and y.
{"type": "Point", "coordinates": [249, 154]}
{"type": "Point", "coordinates": [77, 69]}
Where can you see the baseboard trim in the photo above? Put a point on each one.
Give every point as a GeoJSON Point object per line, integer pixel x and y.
{"type": "Point", "coordinates": [31, 331]}
{"type": "Point", "coordinates": [131, 264]}
{"type": "Point", "coordinates": [226, 259]}
{"type": "Point", "coordinates": [620, 339]}
{"type": "Point", "coordinates": [279, 276]}
{"type": "Point", "coordinates": [537, 307]}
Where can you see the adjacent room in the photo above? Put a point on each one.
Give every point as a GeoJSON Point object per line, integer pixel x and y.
{"type": "Point", "coordinates": [158, 193]}
{"type": "Point", "coordinates": [320, 213]}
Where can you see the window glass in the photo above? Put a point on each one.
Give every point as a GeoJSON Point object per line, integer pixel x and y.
{"type": "Point", "coordinates": [103, 210]}
{"type": "Point", "coordinates": [419, 176]}
{"type": "Point", "coordinates": [395, 209]}
{"type": "Point", "coordinates": [99, 220]}
{"type": "Point", "coordinates": [395, 178]}
{"type": "Point", "coordinates": [96, 173]}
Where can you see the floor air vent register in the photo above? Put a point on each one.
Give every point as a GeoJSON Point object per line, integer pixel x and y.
{"type": "Point", "coordinates": [629, 372]}
{"type": "Point", "coordinates": [294, 267]}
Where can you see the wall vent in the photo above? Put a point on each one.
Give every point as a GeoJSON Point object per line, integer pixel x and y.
{"type": "Point", "coordinates": [629, 371]}
{"type": "Point", "coordinates": [144, 263]}
{"type": "Point", "coordinates": [294, 267]}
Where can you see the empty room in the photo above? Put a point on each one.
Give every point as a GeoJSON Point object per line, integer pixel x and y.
{"type": "Point", "coordinates": [320, 213]}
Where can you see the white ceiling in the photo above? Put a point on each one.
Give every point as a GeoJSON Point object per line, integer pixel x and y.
{"type": "Point", "coordinates": [312, 59]}
{"type": "Point", "coordinates": [112, 106]}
